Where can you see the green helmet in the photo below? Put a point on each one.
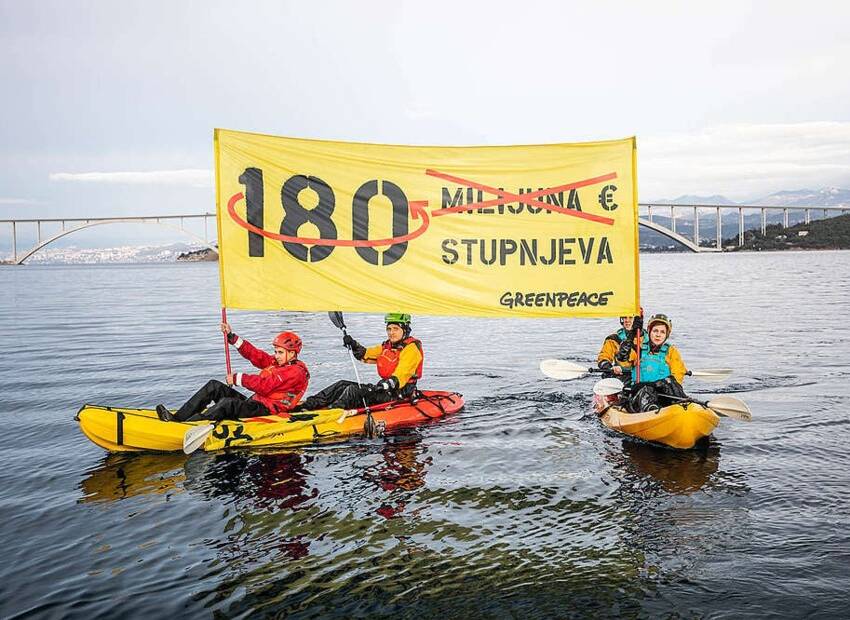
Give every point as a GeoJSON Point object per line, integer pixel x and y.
{"type": "Point", "coordinates": [397, 317]}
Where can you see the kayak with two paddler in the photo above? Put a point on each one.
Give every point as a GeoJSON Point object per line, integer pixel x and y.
{"type": "Point", "coordinates": [125, 429]}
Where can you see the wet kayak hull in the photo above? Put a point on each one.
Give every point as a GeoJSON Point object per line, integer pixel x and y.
{"type": "Point", "coordinates": [123, 429]}
{"type": "Point", "coordinates": [678, 426]}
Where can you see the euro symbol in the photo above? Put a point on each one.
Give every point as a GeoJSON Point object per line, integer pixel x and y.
{"type": "Point", "coordinates": [606, 199]}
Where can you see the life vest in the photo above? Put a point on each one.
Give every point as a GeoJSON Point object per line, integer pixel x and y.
{"type": "Point", "coordinates": [653, 366]}
{"type": "Point", "coordinates": [284, 400]}
{"type": "Point", "coordinates": [387, 361]}
{"type": "Point", "coordinates": [619, 336]}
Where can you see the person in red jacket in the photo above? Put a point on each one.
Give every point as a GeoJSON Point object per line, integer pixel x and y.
{"type": "Point", "coordinates": [277, 388]}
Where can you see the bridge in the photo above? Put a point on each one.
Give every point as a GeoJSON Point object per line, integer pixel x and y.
{"type": "Point", "coordinates": [71, 225]}
{"type": "Point", "coordinates": [695, 211]}
{"type": "Point", "coordinates": [692, 214]}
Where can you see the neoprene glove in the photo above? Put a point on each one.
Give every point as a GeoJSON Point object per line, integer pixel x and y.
{"type": "Point", "coordinates": [624, 350]}
{"type": "Point", "coordinates": [604, 365]}
{"type": "Point", "coordinates": [637, 323]}
{"type": "Point", "coordinates": [356, 348]}
{"type": "Point", "coordinates": [386, 385]}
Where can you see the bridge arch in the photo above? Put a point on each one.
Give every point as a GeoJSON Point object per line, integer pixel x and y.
{"type": "Point", "coordinates": [674, 236]}
{"type": "Point", "coordinates": [20, 260]}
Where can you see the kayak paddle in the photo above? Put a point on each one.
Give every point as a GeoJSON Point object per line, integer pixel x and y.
{"type": "Point", "coordinates": [370, 428]}
{"type": "Point", "coordinates": [608, 387]}
{"type": "Point", "coordinates": [196, 436]}
{"type": "Point", "coordinates": [726, 406]}
{"type": "Point", "coordinates": [566, 370]}
{"type": "Point", "coordinates": [710, 375]}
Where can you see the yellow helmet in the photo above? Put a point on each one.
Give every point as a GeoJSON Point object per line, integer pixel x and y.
{"type": "Point", "coordinates": [660, 318]}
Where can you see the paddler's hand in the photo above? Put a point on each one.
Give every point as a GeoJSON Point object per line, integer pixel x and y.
{"type": "Point", "coordinates": [231, 378]}
{"type": "Point", "coordinates": [357, 349]}
{"type": "Point", "coordinates": [225, 329]}
{"type": "Point", "coordinates": [617, 370]}
{"type": "Point", "coordinates": [387, 385]}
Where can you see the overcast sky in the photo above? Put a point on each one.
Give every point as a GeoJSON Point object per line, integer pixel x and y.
{"type": "Point", "coordinates": [108, 108]}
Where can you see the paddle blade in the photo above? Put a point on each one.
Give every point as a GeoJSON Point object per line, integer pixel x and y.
{"type": "Point", "coordinates": [731, 407]}
{"type": "Point", "coordinates": [608, 387]}
{"type": "Point", "coordinates": [346, 413]}
{"type": "Point", "coordinates": [711, 375]}
{"type": "Point", "coordinates": [195, 437]}
{"type": "Point", "coordinates": [337, 320]}
{"type": "Point", "coordinates": [562, 369]}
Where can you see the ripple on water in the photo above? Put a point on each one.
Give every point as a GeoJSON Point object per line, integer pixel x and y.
{"type": "Point", "coordinates": [521, 505]}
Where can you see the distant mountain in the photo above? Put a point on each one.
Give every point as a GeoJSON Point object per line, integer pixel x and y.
{"type": "Point", "coordinates": [690, 199]}
{"type": "Point", "coordinates": [824, 197]}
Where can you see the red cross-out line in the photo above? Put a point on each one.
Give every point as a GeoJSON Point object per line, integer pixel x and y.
{"type": "Point", "coordinates": [527, 199]}
{"type": "Point", "coordinates": [417, 211]}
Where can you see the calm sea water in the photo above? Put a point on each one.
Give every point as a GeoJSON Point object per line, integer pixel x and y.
{"type": "Point", "coordinates": [521, 505]}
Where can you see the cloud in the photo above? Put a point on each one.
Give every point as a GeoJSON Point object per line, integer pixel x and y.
{"type": "Point", "coordinates": [745, 161]}
{"type": "Point", "coordinates": [193, 177]}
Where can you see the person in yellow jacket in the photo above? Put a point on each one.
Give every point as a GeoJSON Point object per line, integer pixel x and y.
{"type": "Point", "coordinates": [614, 356]}
{"type": "Point", "coordinates": [662, 370]}
{"type": "Point", "coordinates": [398, 360]}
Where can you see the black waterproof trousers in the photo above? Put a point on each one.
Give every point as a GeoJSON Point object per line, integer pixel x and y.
{"type": "Point", "coordinates": [347, 395]}
{"type": "Point", "coordinates": [649, 396]}
{"type": "Point", "coordinates": [229, 404]}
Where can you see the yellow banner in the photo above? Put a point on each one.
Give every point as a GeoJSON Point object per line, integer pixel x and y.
{"type": "Point", "coordinates": [510, 231]}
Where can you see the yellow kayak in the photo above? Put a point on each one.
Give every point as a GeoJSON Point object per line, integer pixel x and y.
{"type": "Point", "coordinates": [126, 429]}
{"type": "Point", "coordinates": [677, 426]}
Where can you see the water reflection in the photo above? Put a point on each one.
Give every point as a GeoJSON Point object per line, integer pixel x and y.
{"type": "Point", "coordinates": [677, 471]}
{"type": "Point", "coordinates": [119, 476]}
{"type": "Point", "coordinates": [399, 472]}
{"type": "Point", "coordinates": [262, 481]}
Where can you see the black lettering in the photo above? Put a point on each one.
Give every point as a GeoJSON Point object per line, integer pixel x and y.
{"type": "Point", "coordinates": [530, 208]}
{"type": "Point", "coordinates": [507, 300]}
{"type": "Point", "coordinates": [252, 179]}
{"type": "Point", "coordinates": [573, 201]}
{"type": "Point", "coordinates": [360, 220]}
{"type": "Point", "coordinates": [296, 215]}
{"type": "Point", "coordinates": [585, 249]}
{"type": "Point", "coordinates": [450, 255]}
{"type": "Point", "coordinates": [604, 252]}
{"type": "Point", "coordinates": [506, 248]}
{"type": "Point", "coordinates": [555, 199]}
{"type": "Point", "coordinates": [527, 252]}
{"type": "Point", "coordinates": [452, 201]}
{"type": "Point", "coordinates": [564, 251]}
{"type": "Point", "coordinates": [553, 256]}
{"type": "Point", "coordinates": [469, 243]}
{"type": "Point", "coordinates": [482, 245]}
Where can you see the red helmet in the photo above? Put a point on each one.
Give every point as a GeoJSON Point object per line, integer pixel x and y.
{"type": "Point", "coordinates": [288, 340]}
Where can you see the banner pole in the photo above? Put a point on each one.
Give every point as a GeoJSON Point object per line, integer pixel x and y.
{"type": "Point", "coordinates": [226, 344]}
{"type": "Point", "coordinates": [218, 219]}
